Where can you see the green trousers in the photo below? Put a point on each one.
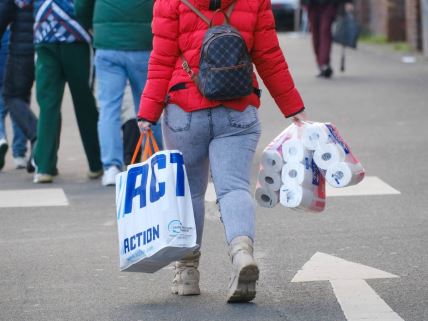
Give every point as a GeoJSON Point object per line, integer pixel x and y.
{"type": "Point", "coordinates": [57, 64]}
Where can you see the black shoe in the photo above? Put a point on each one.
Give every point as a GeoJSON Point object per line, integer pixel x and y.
{"type": "Point", "coordinates": [30, 165]}
{"type": "Point", "coordinates": [326, 72]}
{"type": "Point", "coordinates": [3, 150]}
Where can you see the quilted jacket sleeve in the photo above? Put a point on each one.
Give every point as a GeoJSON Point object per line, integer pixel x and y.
{"type": "Point", "coordinates": [163, 58]}
{"type": "Point", "coordinates": [271, 64]}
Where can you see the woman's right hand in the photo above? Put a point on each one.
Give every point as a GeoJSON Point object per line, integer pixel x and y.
{"type": "Point", "coordinates": [299, 118]}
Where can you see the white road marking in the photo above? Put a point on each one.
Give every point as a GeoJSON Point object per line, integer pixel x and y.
{"type": "Point", "coordinates": [357, 299]}
{"type": "Point", "coordinates": [33, 198]}
{"type": "Point", "coordinates": [371, 185]}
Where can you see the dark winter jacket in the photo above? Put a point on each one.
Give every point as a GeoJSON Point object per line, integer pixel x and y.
{"type": "Point", "coordinates": [124, 26]}
{"type": "Point", "coordinates": [21, 27]}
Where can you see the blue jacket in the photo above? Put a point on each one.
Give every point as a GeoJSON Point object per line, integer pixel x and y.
{"type": "Point", "coordinates": [55, 22]}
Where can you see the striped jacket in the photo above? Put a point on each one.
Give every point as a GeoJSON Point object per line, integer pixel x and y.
{"type": "Point", "coordinates": [55, 22]}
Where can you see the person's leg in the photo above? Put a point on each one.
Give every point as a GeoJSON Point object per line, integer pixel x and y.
{"type": "Point", "coordinates": [19, 79]}
{"type": "Point", "coordinates": [328, 13]}
{"type": "Point", "coordinates": [19, 146]}
{"type": "Point", "coordinates": [190, 133]}
{"type": "Point", "coordinates": [3, 143]}
{"type": "Point", "coordinates": [111, 82]}
{"type": "Point", "coordinates": [314, 20]}
{"type": "Point", "coordinates": [75, 59]}
{"type": "Point", "coordinates": [2, 117]}
{"type": "Point", "coordinates": [231, 156]}
{"type": "Point", "coordinates": [50, 82]}
{"type": "Point", "coordinates": [232, 150]}
{"type": "Point", "coordinates": [137, 73]}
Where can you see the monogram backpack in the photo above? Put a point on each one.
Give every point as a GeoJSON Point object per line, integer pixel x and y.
{"type": "Point", "coordinates": [225, 66]}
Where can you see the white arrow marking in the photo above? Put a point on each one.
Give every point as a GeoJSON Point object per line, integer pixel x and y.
{"type": "Point", "coordinates": [357, 299]}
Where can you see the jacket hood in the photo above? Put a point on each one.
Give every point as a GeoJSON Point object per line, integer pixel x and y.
{"type": "Point", "coordinates": [212, 4]}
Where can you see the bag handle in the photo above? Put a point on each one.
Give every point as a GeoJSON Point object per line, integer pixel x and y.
{"type": "Point", "coordinates": [150, 146]}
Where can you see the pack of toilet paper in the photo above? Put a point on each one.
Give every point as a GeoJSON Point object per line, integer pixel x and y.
{"type": "Point", "coordinates": [288, 174]}
{"type": "Point", "coordinates": [332, 155]}
{"type": "Point", "coordinates": [297, 163]}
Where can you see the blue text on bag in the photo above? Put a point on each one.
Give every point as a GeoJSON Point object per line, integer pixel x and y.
{"type": "Point", "coordinates": [151, 186]}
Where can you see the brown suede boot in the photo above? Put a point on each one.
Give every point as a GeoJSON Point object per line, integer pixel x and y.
{"type": "Point", "coordinates": [186, 275]}
{"type": "Point", "coordinates": [245, 272]}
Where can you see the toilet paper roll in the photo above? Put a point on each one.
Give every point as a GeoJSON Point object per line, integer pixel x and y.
{"type": "Point", "coordinates": [294, 151]}
{"type": "Point", "coordinates": [297, 173]}
{"type": "Point", "coordinates": [272, 159]}
{"type": "Point", "coordinates": [314, 135]}
{"type": "Point", "coordinates": [266, 197]}
{"type": "Point", "coordinates": [295, 196]}
{"type": "Point", "coordinates": [328, 154]}
{"type": "Point", "coordinates": [270, 179]}
{"type": "Point", "coordinates": [344, 174]}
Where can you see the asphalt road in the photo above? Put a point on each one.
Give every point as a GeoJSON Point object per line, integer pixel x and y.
{"type": "Point", "coordinates": [61, 263]}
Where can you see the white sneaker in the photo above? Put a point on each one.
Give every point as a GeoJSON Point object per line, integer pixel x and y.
{"type": "Point", "coordinates": [41, 178]}
{"type": "Point", "coordinates": [109, 177]}
{"type": "Point", "coordinates": [20, 162]}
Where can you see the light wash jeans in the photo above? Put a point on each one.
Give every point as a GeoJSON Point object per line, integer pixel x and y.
{"type": "Point", "coordinates": [113, 69]}
{"type": "Point", "coordinates": [19, 142]}
{"type": "Point", "coordinates": [225, 141]}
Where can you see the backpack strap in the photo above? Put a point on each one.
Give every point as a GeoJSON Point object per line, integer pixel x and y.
{"type": "Point", "coordinates": [193, 8]}
{"type": "Point", "coordinates": [230, 9]}
{"type": "Point", "coordinates": [227, 13]}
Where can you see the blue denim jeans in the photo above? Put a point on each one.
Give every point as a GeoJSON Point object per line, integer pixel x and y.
{"type": "Point", "coordinates": [225, 141]}
{"type": "Point", "coordinates": [113, 69]}
{"type": "Point", "coordinates": [19, 142]}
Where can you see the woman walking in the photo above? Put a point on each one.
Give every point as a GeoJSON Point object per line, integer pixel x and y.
{"type": "Point", "coordinates": [218, 134]}
{"type": "Point", "coordinates": [321, 15]}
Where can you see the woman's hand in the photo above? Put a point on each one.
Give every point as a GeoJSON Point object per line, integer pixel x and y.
{"type": "Point", "coordinates": [144, 126]}
{"type": "Point", "coordinates": [300, 118]}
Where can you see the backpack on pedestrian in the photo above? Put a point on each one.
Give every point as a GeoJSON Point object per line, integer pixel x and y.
{"type": "Point", "coordinates": [225, 66]}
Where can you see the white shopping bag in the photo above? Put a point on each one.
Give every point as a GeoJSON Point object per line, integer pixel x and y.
{"type": "Point", "coordinates": [155, 219]}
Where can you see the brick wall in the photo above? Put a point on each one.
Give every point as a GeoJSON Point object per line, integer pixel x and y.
{"type": "Point", "coordinates": [413, 24]}
{"type": "Point", "coordinates": [383, 17]}
{"type": "Point", "coordinates": [397, 20]}
{"type": "Point", "coordinates": [378, 21]}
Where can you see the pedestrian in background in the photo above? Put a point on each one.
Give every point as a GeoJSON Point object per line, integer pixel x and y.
{"type": "Point", "coordinates": [19, 76]}
{"type": "Point", "coordinates": [220, 135]}
{"type": "Point", "coordinates": [3, 142]}
{"type": "Point", "coordinates": [123, 41]}
{"type": "Point", "coordinates": [321, 16]}
{"type": "Point", "coordinates": [63, 55]}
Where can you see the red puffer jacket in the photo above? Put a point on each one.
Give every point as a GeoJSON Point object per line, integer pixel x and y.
{"type": "Point", "coordinates": [177, 30]}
